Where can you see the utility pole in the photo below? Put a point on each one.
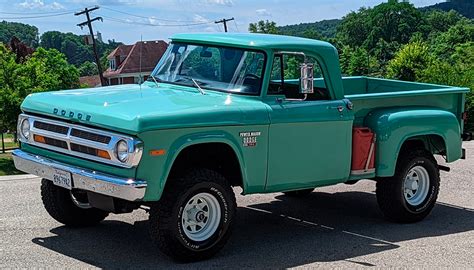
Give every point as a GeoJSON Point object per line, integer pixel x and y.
{"type": "Point", "coordinates": [224, 21]}
{"type": "Point", "coordinates": [94, 46]}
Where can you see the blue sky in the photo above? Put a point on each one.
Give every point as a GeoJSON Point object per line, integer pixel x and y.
{"type": "Point", "coordinates": [127, 20]}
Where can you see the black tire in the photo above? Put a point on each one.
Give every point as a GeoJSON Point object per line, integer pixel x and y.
{"type": "Point", "coordinates": [166, 216]}
{"type": "Point", "coordinates": [299, 193]}
{"type": "Point", "coordinates": [59, 204]}
{"type": "Point", "coordinates": [391, 191]}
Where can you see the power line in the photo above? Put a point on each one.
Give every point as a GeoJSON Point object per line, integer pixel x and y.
{"type": "Point", "coordinates": [151, 24]}
{"type": "Point", "coordinates": [224, 21]}
{"type": "Point", "coordinates": [34, 17]}
{"type": "Point", "coordinates": [145, 17]}
{"type": "Point", "coordinates": [35, 13]}
{"type": "Point", "coordinates": [236, 27]}
{"type": "Point", "coordinates": [94, 47]}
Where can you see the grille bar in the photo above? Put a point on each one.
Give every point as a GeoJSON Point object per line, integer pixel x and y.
{"type": "Point", "coordinates": [90, 136]}
{"type": "Point", "coordinates": [51, 127]}
{"type": "Point", "coordinates": [84, 149]}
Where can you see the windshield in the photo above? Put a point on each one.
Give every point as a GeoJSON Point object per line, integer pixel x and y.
{"type": "Point", "coordinates": [212, 67]}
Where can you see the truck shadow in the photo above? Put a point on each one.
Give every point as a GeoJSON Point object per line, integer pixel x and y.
{"type": "Point", "coordinates": [286, 232]}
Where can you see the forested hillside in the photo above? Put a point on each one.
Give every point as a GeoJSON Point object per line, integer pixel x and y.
{"type": "Point", "coordinates": [327, 28]}
{"type": "Point", "coordinates": [464, 7]}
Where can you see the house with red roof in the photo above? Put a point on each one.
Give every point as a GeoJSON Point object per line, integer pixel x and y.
{"type": "Point", "coordinates": [129, 63]}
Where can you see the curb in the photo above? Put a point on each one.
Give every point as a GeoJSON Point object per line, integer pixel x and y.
{"type": "Point", "coordinates": [17, 177]}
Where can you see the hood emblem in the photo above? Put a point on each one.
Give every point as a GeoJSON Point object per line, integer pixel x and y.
{"type": "Point", "coordinates": [72, 114]}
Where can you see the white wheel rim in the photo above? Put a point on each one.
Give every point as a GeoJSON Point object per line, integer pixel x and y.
{"type": "Point", "coordinates": [78, 203]}
{"type": "Point", "coordinates": [416, 185]}
{"type": "Point", "coordinates": [201, 217]}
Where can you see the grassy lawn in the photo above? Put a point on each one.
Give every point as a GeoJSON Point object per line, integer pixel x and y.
{"type": "Point", "coordinates": [6, 165]}
{"type": "Point", "coordinates": [9, 142]}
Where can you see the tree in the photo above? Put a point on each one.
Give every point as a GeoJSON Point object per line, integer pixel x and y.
{"type": "Point", "coordinates": [410, 61]}
{"type": "Point", "coordinates": [444, 45]}
{"type": "Point", "coordinates": [8, 80]}
{"type": "Point", "coordinates": [357, 62]}
{"type": "Point", "coordinates": [74, 47]}
{"type": "Point", "coordinates": [439, 21]}
{"type": "Point", "coordinates": [458, 71]}
{"type": "Point", "coordinates": [28, 34]}
{"type": "Point", "coordinates": [45, 70]}
{"type": "Point", "coordinates": [88, 69]}
{"type": "Point", "coordinates": [265, 27]}
{"type": "Point", "coordinates": [392, 21]}
{"type": "Point", "coordinates": [354, 28]}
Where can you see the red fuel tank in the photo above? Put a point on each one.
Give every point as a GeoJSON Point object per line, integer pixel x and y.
{"type": "Point", "coordinates": [363, 151]}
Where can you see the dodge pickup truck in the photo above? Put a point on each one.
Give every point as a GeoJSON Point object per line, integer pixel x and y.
{"type": "Point", "coordinates": [261, 112]}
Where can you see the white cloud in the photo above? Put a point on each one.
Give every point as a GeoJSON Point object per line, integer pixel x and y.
{"type": "Point", "coordinates": [228, 3]}
{"type": "Point", "coordinates": [39, 4]}
{"type": "Point", "coordinates": [200, 19]}
{"type": "Point", "coordinates": [152, 20]}
{"type": "Point", "coordinates": [263, 12]}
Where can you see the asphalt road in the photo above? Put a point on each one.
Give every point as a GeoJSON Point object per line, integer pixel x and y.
{"type": "Point", "coordinates": [339, 226]}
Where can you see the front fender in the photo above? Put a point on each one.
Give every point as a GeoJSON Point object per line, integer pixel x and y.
{"type": "Point", "coordinates": [155, 169]}
{"type": "Point", "coordinates": [394, 126]}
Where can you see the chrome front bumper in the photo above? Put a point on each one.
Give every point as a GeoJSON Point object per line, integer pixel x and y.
{"type": "Point", "coordinates": [123, 188]}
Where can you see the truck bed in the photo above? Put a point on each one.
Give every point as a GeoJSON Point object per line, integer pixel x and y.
{"type": "Point", "coordinates": [368, 94]}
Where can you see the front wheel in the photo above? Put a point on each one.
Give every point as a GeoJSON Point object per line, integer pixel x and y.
{"type": "Point", "coordinates": [410, 195]}
{"type": "Point", "coordinates": [70, 208]}
{"type": "Point", "coordinates": [193, 219]}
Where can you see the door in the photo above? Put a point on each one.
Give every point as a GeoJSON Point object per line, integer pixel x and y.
{"type": "Point", "coordinates": [310, 139]}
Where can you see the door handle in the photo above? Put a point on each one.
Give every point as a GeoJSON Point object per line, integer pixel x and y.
{"type": "Point", "coordinates": [338, 108]}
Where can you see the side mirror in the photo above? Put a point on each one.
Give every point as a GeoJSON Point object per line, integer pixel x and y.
{"type": "Point", "coordinates": [306, 78]}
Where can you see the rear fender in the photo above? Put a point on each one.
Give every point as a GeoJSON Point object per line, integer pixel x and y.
{"type": "Point", "coordinates": [394, 126]}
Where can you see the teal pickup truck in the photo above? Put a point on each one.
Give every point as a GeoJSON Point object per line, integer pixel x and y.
{"type": "Point", "coordinates": [261, 112]}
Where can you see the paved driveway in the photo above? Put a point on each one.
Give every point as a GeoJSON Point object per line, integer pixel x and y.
{"type": "Point", "coordinates": [338, 226]}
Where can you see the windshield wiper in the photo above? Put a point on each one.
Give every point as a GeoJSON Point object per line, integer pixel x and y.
{"type": "Point", "coordinates": [198, 86]}
{"type": "Point", "coordinates": [195, 82]}
{"type": "Point", "coordinates": [155, 80]}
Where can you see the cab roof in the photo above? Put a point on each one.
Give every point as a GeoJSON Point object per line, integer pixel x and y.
{"type": "Point", "coordinates": [255, 41]}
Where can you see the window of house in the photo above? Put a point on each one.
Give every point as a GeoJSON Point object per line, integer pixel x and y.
{"type": "Point", "coordinates": [285, 77]}
{"type": "Point", "coordinates": [112, 64]}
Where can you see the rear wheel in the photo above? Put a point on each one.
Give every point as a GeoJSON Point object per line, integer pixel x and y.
{"type": "Point", "coordinates": [70, 208]}
{"type": "Point", "coordinates": [193, 219]}
{"type": "Point", "coordinates": [299, 193]}
{"type": "Point", "coordinates": [410, 195]}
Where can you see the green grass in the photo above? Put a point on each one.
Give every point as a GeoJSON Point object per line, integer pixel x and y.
{"type": "Point", "coordinates": [9, 143]}
{"type": "Point", "coordinates": [6, 165]}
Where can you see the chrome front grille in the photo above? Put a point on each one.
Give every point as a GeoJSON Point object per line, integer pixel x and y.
{"type": "Point", "coordinates": [83, 142]}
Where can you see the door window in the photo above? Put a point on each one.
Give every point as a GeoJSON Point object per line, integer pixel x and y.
{"type": "Point", "coordinates": [285, 76]}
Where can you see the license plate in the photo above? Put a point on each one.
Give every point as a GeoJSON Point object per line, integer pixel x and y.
{"type": "Point", "coordinates": [62, 179]}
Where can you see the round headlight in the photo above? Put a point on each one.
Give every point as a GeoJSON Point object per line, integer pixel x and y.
{"type": "Point", "coordinates": [25, 128]}
{"type": "Point", "coordinates": [122, 151]}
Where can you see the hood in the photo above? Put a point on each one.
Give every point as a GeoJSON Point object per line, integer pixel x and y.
{"type": "Point", "coordinates": [131, 109]}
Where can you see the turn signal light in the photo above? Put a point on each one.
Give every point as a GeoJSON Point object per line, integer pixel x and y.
{"type": "Point", "coordinates": [159, 152]}
{"type": "Point", "coordinates": [39, 138]}
{"type": "Point", "coordinates": [103, 154]}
